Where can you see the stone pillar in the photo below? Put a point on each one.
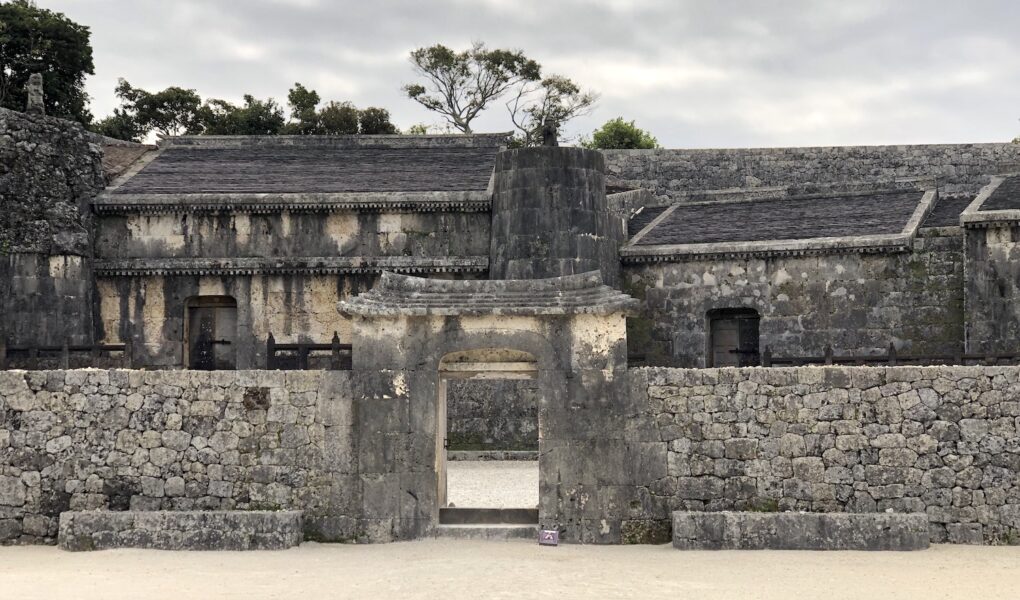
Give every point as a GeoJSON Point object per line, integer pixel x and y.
{"type": "Point", "coordinates": [550, 216]}
{"type": "Point", "coordinates": [35, 105]}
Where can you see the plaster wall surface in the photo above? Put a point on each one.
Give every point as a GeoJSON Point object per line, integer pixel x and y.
{"type": "Point", "coordinates": [152, 310]}
{"type": "Point", "coordinates": [674, 173]}
{"type": "Point", "coordinates": [298, 234]}
{"type": "Point", "coordinates": [858, 303]}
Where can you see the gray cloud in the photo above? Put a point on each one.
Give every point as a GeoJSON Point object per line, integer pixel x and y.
{"type": "Point", "coordinates": [695, 73]}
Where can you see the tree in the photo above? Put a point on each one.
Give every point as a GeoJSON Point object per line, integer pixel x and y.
{"type": "Point", "coordinates": [256, 117]}
{"type": "Point", "coordinates": [303, 103]}
{"type": "Point", "coordinates": [338, 118]}
{"type": "Point", "coordinates": [120, 125]}
{"type": "Point", "coordinates": [460, 85]}
{"type": "Point", "coordinates": [555, 98]}
{"type": "Point", "coordinates": [36, 40]}
{"type": "Point", "coordinates": [618, 134]}
{"type": "Point", "coordinates": [172, 111]}
{"type": "Point", "coordinates": [375, 121]}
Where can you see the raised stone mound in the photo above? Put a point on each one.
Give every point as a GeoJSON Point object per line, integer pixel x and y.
{"type": "Point", "coordinates": [799, 531]}
{"type": "Point", "coordinates": [180, 530]}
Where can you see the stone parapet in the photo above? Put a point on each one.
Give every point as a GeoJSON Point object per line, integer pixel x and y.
{"type": "Point", "coordinates": [181, 530]}
{"type": "Point", "coordinates": [799, 531]}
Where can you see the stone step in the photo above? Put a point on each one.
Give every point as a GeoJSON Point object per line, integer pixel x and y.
{"type": "Point", "coordinates": [180, 530]}
{"type": "Point", "coordinates": [502, 532]}
{"type": "Point", "coordinates": [488, 516]}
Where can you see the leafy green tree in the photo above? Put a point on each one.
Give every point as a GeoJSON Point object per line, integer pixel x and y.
{"type": "Point", "coordinates": [555, 98]}
{"type": "Point", "coordinates": [120, 125]}
{"type": "Point", "coordinates": [303, 103]}
{"type": "Point", "coordinates": [256, 117]}
{"type": "Point", "coordinates": [338, 118]}
{"type": "Point", "coordinates": [36, 40]}
{"type": "Point", "coordinates": [460, 85]}
{"type": "Point", "coordinates": [375, 121]}
{"type": "Point", "coordinates": [618, 134]}
{"type": "Point", "coordinates": [169, 112]}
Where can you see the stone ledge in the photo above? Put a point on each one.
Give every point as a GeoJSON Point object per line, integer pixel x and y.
{"type": "Point", "coordinates": [799, 531]}
{"type": "Point", "coordinates": [180, 530]}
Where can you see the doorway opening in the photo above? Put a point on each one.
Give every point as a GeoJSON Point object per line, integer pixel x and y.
{"type": "Point", "coordinates": [210, 333]}
{"type": "Point", "coordinates": [487, 443]}
{"type": "Point", "coordinates": [733, 338]}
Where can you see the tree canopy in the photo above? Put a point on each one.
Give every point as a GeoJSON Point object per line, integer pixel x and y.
{"type": "Point", "coordinates": [460, 85]}
{"type": "Point", "coordinates": [617, 134]}
{"type": "Point", "coordinates": [255, 117]}
{"type": "Point", "coordinates": [554, 98]}
{"type": "Point", "coordinates": [169, 112]}
{"type": "Point", "coordinates": [36, 40]}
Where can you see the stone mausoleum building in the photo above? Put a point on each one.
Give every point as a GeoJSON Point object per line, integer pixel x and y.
{"type": "Point", "coordinates": [443, 288]}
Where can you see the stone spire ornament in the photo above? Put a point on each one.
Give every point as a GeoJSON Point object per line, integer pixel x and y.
{"type": "Point", "coordinates": [550, 132]}
{"type": "Point", "coordinates": [35, 104]}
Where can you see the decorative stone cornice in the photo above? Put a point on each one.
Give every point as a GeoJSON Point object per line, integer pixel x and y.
{"type": "Point", "coordinates": [399, 295]}
{"type": "Point", "coordinates": [471, 201]}
{"type": "Point", "coordinates": [336, 265]}
{"type": "Point", "coordinates": [977, 216]}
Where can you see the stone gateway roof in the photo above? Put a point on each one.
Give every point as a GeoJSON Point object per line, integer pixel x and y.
{"type": "Point", "coordinates": [317, 164]}
{"type": "Point", "coordinates": [401, 295]}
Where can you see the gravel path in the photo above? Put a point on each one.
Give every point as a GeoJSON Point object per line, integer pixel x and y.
{"type": "Point", "coordinates": [455, 569]}
{"type": "Point", "coordinates": [492, 483]}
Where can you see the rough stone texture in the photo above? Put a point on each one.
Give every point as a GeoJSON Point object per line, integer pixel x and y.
{"type": "Point", "coordinates": [858, 303]}
{"type": "Point", "coordinates": [550, 216]}
{"type": "Point", "coordinates": [993, 287]}
{"type": "Point", "coordinates": [938, 440]}
{"type": "Point", "coordinates": [672, 174]}
{"type": "Point", "coordinates": [175, 440]}
{"type": "Point", "coordinates": [492, 414]}
{"type": "Point", "coordinates": [49, 172]}
{"type": "Point", "coordinates": [180, 530]}
{"type": "Point", "coordinates": [799, 531]}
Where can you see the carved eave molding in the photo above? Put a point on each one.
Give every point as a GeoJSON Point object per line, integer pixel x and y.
{"type": "Point", "coordinates": [289, 266]}
{"type": "Point", "coordinates": [976, 216]}
{"type": "Point", "coordinates": [465, 201]}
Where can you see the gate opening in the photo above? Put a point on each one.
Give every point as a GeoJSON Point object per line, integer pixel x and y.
{"type": "Point", "coordinates": [211, 333]}
{"type": "Point", "coordinates": [487, 447]}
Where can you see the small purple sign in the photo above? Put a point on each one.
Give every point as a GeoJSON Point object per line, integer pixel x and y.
{"type": "Point", "coordinates": [549, 537]}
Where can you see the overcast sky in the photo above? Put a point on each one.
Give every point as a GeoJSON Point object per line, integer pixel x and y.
{"type": "Point", "coordinates": [695, 73]}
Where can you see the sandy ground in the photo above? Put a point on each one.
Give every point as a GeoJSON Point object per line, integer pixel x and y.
{"type": "Point", "coordinates": [492, 483]}
{"type": "Point", "coordinates": [454, 569]}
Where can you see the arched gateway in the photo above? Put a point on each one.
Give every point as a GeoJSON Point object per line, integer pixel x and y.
{"type": "Point", "coordinates": [567, 332]}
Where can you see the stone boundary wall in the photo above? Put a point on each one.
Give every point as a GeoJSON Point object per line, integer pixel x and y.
{"type": "Point", "coordinates": [673, 173]}
{"type": "Point", "coordinates": [944, 441]}
{"type": "Point", "coordinates": [119, 440]}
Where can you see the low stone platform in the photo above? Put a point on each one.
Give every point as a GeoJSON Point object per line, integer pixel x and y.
{"type": "Point", "coordinates": [799, 531]}
{"type": "Point", "coordinates": [180, 530]}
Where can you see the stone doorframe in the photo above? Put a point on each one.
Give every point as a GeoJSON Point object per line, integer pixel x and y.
{"type": "Point", "coordinates": [573, 326]}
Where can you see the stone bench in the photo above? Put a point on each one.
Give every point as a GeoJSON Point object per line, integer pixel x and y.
{"type": "Point", "coordinates": [180, 530]}
{"type": "Point", "coordinates": [799, 531]}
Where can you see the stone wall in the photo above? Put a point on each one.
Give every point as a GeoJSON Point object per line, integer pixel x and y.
{"type": "Point", "coordinates": [940, 440]}
{"type": "Point", "coordinates": [175, 440]}
{"type": "Point", "coordinates": [858, 303]}
{"type": "Point", "coordinates": [152, 312]}
{"type": "Point", "coordinates": [993, 288]}
{"type": "Point", "coordinates": [49, 172]}
{"type": "Point", "coordinates": [487, 414]}
{"type": "Point", "coordinates": [673, 173]}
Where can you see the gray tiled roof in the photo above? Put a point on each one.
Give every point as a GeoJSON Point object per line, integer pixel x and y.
{"type": "Point", "coordinates": [313, 169]}
{"type": "Point", "coordinates": [786, 219]}
{"type": "Point", "coordinates": [643, 218]}
{"type": "Point", "coordinates": [1005, 197]}
{"type": "Point", "coordinates": [947, 211]}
